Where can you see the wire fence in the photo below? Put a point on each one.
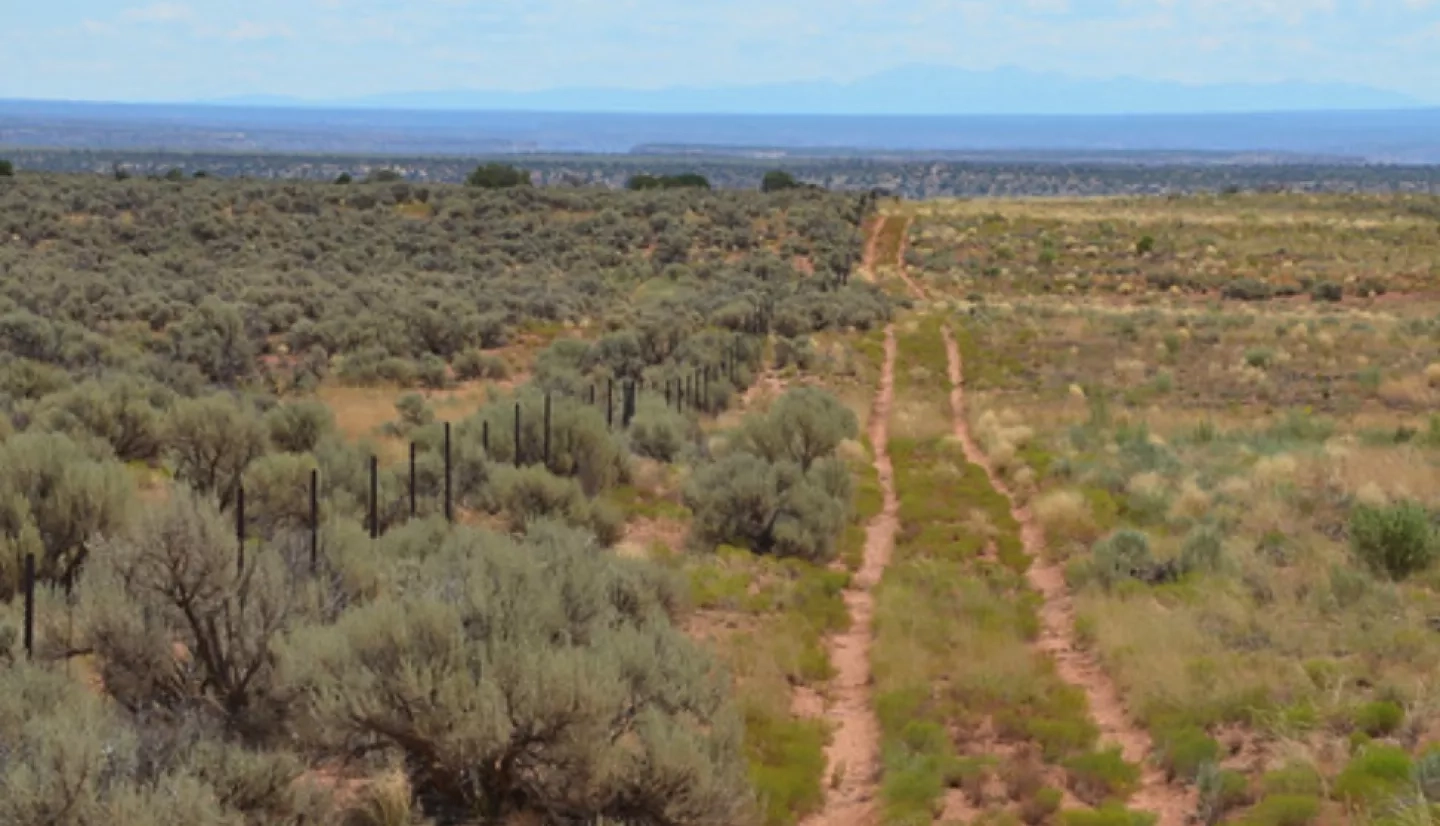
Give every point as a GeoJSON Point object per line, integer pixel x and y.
{"type": "Point", "coordinates": [690, 392]}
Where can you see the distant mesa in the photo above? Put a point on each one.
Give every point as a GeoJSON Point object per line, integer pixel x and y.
{"type": "Point", "coordinates": [907, 90]}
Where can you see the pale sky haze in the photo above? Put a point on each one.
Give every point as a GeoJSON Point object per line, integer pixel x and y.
{"type": "Point", "coordinates": [185, 50]}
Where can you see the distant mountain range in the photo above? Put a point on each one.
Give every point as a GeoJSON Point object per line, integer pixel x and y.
{"type": "Point", "coordinates": [910, 90]}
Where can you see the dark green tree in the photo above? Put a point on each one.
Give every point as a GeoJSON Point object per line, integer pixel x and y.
{"type": "Point", "coordinates": [776, 180]}
{"type": "Point", "coordinates": [689, 180]}
{"type": "Point", "coordinates": [498, 176]}
{"type": "Point", "coordinates": [7, 169]}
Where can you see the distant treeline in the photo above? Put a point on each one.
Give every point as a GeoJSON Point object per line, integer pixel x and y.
{"type": "Point", "coordinates": [910, 177]}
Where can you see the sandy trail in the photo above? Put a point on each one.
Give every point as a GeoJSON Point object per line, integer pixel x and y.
{"type": "Point", "coordinates": [852, 758]}
{"type": "Point", "coordinates": [1057, 638]}
{"type": "Point", "coordinates": [854, 751]}
{"type": "Point", "coordinates": [872, 242]}
{"type": "Point", "coordinates": [915, 288]}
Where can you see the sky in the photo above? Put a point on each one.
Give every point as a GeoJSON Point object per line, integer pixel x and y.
{"type": "Point", "coordinates": [186, 50]}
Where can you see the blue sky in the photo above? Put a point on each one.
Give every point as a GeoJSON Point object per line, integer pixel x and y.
{"type": "Point", "coordinates": [202, 49]}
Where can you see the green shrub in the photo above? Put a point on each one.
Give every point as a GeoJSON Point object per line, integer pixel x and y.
{"type": "Point", "coordinates": [777, 180]}
{"type": "Point", "coordinates": [1397, 540]}
{"type": "Point", "coordinates": [1218, 792]}
{"type": "Point", "coordinates": [1370, 286]}
{"type": "Point", "coordinates": [1110, 814]}
{"type": "Point", "coordinates": [1063, 735]}
{"type": "Point", "coordinates": [299, 426]}
{"type": "Point", "coordinates": [1375, 775]}
{"type": "Point", "coordinates": [498, 176]}
{"type": "Point", "coordinates": [787, 765]}
{"type": "Point", "coordinates": [1124, 554]}
{"type": "Point", "coordinates": [1103, 776]}
{"type": "Point", "coordinates": [414, 412]}
{"type": "Point", "coordinates": [7, 169]}
{"type": "Point", "coordinates": [1327, 291]}
{"type": "Point", "coordinates": [687, 180]}
{"type": "Point", "coordinates": [1284, 810]}
{"type": "Point", "coordinates": [913, 783]}
{"type": "Point", "coordinates": [1247, 289]}
{"type": "Point", "coordinates": [1183, 751]}
{"type": "Point", "coordinates": [1145, 245]}
{"type": "Point", "coordinates": [1379, 719]}
{"type": "Point", "coordinates": [1295, 778]}
{"type": "Point", "coordinates": [1259, 357]}
{"type": "Point", "coordinates": [1203, 550]}
{"type": "Point", "coordinates": [476, 364]}
{"type": "Point", "coordinates": [1041, 806]}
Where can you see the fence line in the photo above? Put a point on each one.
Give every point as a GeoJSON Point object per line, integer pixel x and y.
{"type": "Point", "coordinates": [692, 391]}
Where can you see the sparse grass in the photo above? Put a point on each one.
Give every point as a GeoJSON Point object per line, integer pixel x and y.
{"type": "Point", "coordinates": [957, 675]}
{"type": "Point", "coordinates": [766, 618]}
{"type": "Point", "coordinates": [1277, 456]}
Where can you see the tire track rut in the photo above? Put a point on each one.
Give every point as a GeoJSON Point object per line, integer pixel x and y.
{"type": "Point", "coordinates": [1058, 639]}
{"type": "Point", "coordinates": [852, 757]}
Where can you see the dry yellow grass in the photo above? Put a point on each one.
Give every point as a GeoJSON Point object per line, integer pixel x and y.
{"type": "Point", "coordinates": [360, 412]}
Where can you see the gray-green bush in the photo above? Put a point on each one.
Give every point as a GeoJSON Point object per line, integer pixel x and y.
{"type": "Point", "coordinates": [658, 431]}
{"type": "Point", "coordinates": [531, 677]}
{"type": "Point", "coordinates": [802, 426]}
{"type": "Point", "coordinates": [1124, 554]}
{"type": "Point", "coordinates": [780, 489]}
{"type": "Point", "coordinates": [72, 757]}
{"type": "Point", "coordinates": [297, 427]}
{"type": "Point", "coordinates": [175, 580]}
{"type": "Point", "coordinates": [210, 440]}
{"type": "Point", "coordinates": [56, 500]}
{"type": "Point", "coordinates": [1396, 540]}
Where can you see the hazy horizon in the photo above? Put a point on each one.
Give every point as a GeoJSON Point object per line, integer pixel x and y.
{"type": "Point", "coordinates": [1092, 56]}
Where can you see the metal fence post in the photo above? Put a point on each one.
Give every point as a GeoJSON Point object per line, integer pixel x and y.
{"type": "Point", "coordinates": [240, 527]}
{"type": "Point", "coordinates": [29, 606]}
{"type": "Point", "coordinates": [449, 495]}
{"type": "Point", "coordinates": [547, 429]}
{"type": "Point", "coordinates": [374, 497]}
{"type": "Point", "coordinates": [517, 434]}
{"type": "Point", "coordinates": [314, 520]}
